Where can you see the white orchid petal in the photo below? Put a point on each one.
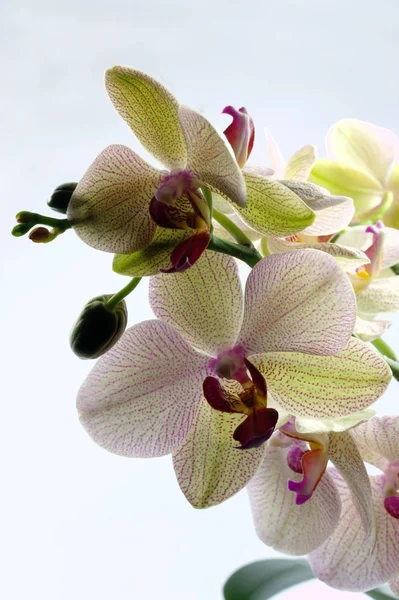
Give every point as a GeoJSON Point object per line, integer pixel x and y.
{"type": "Point", "coordinates": [325, 387]}
{"type": "Point", "coordinates": [210, 159]}
{"type": "Point", "coordinates": [349, 259]}
{"type": "Point", "coordinates": [394, 585]}
{"type": "Point", "coordinates": [368, 329]}
{"type": "Point", "coordinates": [277, 160]}
{"type": "Point", "coordinates": [391, 247]}
{"type": "Point", "coordinates": [331, 218]}
{"type": "Point", "coordinates": [363, 146]}
{"type": "Point", "coordinates": [205, 303]}
{"type": "Point", "coordinates": [279, 522]}
{"type": "Point", "coordinates": [298, 301]}
{"type": "Point", "coordinates": [150, 111]}
{"type": "Point", "coordinates": [209, 466]}
{"type": "Point", "coordinates": [300, 164]}
{"type": "Point", "coordinates": [378, 440]}
{"type": "Point", "coordinates": [351, 559]}
{"type": "Point", "coordinates": [141, 397]}
{"type": "Point", "coordinates": [109, 209]}
{"type": "Point", "coordinates": [382, 295]}
{"type": "Point", "coordinates": [308, 425]}
{"type": "Point", "coordinates": [346, 457]}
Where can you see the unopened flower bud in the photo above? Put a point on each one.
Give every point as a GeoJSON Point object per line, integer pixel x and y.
{"type": "Point", "coordinates": [240, 133]}
{"type": "Point", "coordinates": [61, 196]}
{"type": "Point", "coordinates": [40, 235]}
{"type": "Point", "coordinates": [98, 327]}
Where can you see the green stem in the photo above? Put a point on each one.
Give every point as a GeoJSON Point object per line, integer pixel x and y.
{"type": "Point", "coordinates": [232, 229]}
{"type": "Point", "coordinates": [248, 255]}
{"type": "Point", "coordinates": [116, 298]}
{"type": "Point", "coordinates": [32, 219]}
{"type": "Point", "coordinates": [384, 348]}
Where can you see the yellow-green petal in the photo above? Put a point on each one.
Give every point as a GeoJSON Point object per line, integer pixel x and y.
{"type": "Point", "coordinates": [153, 257]}
{"type": "Point", "coordinates": [301, 163]}
{"type": "Point", "coordinates": [209, 466]}
{"type": "Point", "coordinates": [273, 209]}
{"type": "Point", "coordinates": [151, 112]}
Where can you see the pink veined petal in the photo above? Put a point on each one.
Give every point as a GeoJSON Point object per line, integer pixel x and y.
{"type": "Point", "coordinates": [141, 397]}
{"type": "Point", "coordinates": [349, 259]}
{"type": "Point", "coordinates": [109, 209]}
{"type": "Point", "coordinates": [204, 304]}
{"type": "Point", "coordinates": [358, 237]}
{"type": "Point", "coordinates": [279, 522]}
{"type": "Point", "coordinates": [346, 457]}
{"type": "Point", "coordinates": [378, 440]}
{"type": "Point", "coordinates": [325, 387]}
{"type": "Point", "coordinates": [363, 146]}
{"type": "Point", "coordinates": [336, 214]}
{"type": "Point", "coordinates": [210, 159]}
{"type": "Point", "coordinates": [209, 465]}
{"type": "Point", "coordinates": [298, 301]}
{"type": "Point", "coordinates": [382, 295]}
{"type": "Point", "coordinates": [151, 112]}
{"type": "Point", "coordinates": [350, 559]}
{"type": "Point", "coordinates": [394, 585]}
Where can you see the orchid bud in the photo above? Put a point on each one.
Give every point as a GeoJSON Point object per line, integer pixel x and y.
{"type": "Point", "coordinates": [98, 327]}
{"type": "Point", "coordinates": [240, 133]}
{"type": "Point", "coordinates": [61, 196]}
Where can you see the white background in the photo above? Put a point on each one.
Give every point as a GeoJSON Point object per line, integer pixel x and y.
{"type": "Point", "coordinates": [79, 523]}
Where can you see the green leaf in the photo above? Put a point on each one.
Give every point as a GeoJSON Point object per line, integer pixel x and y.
{"type": "Point", "coordinates": [395, 269]}
{"type": "Point", "coordinates": [265, 578]}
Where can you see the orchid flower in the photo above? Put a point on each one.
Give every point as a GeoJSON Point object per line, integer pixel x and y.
{"type": "Point", "coordinates": [362, 164]}
{"type": "Point", "coordinates": [375, 285]}
{"type": "Point", "coordinates": [121, 199]}
{"type": "Point", "coordinates": [208, 376]}
{"type": "Point", "coordinates": [350, 559]}
{"type": "Point", "coordinates": [295, 502]}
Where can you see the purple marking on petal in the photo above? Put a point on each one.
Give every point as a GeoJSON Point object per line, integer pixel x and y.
{"type": "Point", "coordinates": [188, 252]}
{"type": "Point", "coordinates": [391, 504]}
{"type": "Point", "coordinates": [240, 133]}
{"type": "Point", "coordinates": [294, 459]}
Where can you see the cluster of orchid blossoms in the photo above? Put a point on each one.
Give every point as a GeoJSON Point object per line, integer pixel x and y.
{"type": "Point", "coordinates": [270, 387]}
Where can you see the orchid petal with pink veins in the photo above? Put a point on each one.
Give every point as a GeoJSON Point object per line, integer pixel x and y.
{"type": "Point", "coordinates": [336, 425]}
{"type": "Point", "coordinates": [349, 259]}
{"type": "Point", "coordinates": [150, 111]}
{"type": "Point", "coordinates": [378, 440]}
{"type": "Point", "coordinates": [210, 159]}
{"type": "Point", "coordinates": [204, 304]}
{"type": "Point", "coordinates": [325, 387]}
{"type": "Point", "coordinates": [279, 522]}
{"type": "Point", "coordinates": [298, 301]}
{"type": "Point", "coordinates": [109, 209]}
{"type": "Point", "coordinates": [272, 208]}
{"type": "Point", "coordinates": [381, 295]}
{"type": "Point", "coordinates": [345, 456]}
{"type": "Point", "coordinates": [351, 559]}
{"type": "Point", "coordinates": [363, 146]}
{"type": "Point", "coordinates": [141, 397]}
{"type": "Point", "coordinates": [209, 465]}
{"type": "Point", "coordinates": [394, 585]}
{"type": "Point", "coordinates": [300, 164]}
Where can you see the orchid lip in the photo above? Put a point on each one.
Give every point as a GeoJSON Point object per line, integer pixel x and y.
{"type": "Point", "coordinates": [391, 489]}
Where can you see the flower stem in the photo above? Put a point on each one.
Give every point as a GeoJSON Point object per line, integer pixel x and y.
{"type": "Point", "coordinates": [26, 220]}
{"type": "Point", "coordinates": [384, 348]}
{"type": "Point", "coordinates": [248, 255]}
{"type": "Point", "coordinates": [116, 298]}
{"type": "Point", "coordinates": [232, 229]}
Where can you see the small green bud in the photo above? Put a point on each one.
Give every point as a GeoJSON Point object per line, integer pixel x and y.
{"type": "Point", "coordinates": [21, 229]}
{"type": "Point", "coordinates": [98, 328]}
{"type": "Point", "coordinates": [24, 216]}
{"type": "Point", "coordinates": [61, 196]}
